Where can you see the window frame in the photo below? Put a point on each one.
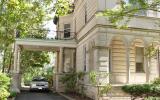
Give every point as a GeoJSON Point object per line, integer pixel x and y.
{"type": "Point", "coordinates": [143, 66]}
{"type": "Point", "coordinates": [67, 30]}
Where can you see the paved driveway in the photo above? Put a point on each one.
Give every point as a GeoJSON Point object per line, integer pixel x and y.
{"type": "Point", "coordinates": [39, 96]}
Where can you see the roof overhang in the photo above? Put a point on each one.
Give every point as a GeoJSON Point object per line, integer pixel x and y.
{"type": "Point", "coordinates": [47, 45]}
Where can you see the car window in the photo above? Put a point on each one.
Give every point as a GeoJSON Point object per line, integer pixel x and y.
{"type": "Point", "coordinates": [39, 79]}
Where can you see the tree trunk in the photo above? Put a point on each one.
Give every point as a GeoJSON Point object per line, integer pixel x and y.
{"type": "Point", "coordinates": [10, 62]}
{"type": "Point", "coordinates": [4, 59]}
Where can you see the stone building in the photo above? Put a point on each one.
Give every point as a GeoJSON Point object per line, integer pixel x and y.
{"type": "Point", "coordinates": [102, 47]}
{"type": "Point", "coordinates": [87, 42]}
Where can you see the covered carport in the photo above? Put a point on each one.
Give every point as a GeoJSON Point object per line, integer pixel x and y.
{"type": "Point", "coordinates": [60, 47]}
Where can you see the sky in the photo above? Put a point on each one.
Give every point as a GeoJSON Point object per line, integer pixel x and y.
{"type": "Point", "coordinates": [50, 25]}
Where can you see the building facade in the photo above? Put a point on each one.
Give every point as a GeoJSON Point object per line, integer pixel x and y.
{"type": "Point", "coordinates": [103, 47]}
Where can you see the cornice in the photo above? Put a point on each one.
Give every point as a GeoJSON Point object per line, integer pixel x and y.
{"type": "Point", "coordinates": [110, 29]}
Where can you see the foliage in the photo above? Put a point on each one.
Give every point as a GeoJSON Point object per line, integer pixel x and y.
{"type": "Point", "coordinates": [156, 81]}
{"type": "Point", "coordinates": [23, 17]}
{"type": "Point", "coordinates": [137, 90]}
{"type": "Point", "coordinates": [104, 89]}
{"type": "Point", "coordinates": [33, 59]}
{"type": "Point", "coordinates": [102, 86]}
{"type": "Point", "coordinates": [151, 51]}
{"type": "Point", "coordinates": [92, 76]}
{"type": "Point", "coordinates": [142, 90]}
{"type": "Point", "coordinates": [7, 59]}
{"type": "Point", "coordinates": [4, 86]}
{"type": "Point", "coordinates": [152, 98]}
{"type": "Point", "coordinates": [32, 63]}
{"type": "Point", "coordinates": [126, 10]}
{"type": "Point", "coordinates": [48, 75]}
{"type": "Point", "coordinates": [13, 94]}
{"type": "Point", "coordinates": [63, 7]}
{"type": "Point", "coordinates": [71, 80]}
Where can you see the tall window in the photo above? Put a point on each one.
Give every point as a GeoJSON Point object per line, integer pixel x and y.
{"type": "Point", "coordinates": [139, 59]}
{"type": "Point", "coordinates": [85, 58]}
{"type": "Point", "coordinates": [67, 30]}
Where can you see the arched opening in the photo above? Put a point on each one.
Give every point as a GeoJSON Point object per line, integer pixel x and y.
{"type": "Point", "coordinates": [138, 63]}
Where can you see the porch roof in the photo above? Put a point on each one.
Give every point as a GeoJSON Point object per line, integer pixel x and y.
{"type": "Point", "coordinates": [45, 44]}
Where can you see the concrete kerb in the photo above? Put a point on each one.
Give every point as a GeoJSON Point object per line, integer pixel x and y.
{"type": "Point", "coordinates": [67, 97]}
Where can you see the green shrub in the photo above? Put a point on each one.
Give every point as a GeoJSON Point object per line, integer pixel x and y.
{"type": "Point", "coordinates": [102, 86]}
{"type": "Point", "coordinates": [70, 80]}
{"type": "Point", "coordinates": [142, 90]}
{"type": "Point", "coordinates": [152, 98]}
{"type": "Point", "coordinates": [13, 94]}
{"type": "Point", "coordinates": [137, 90]}
{"type": "Point", "coordinates": [156, 81]}
{"type": "Point", "coordinates": [4, 86]}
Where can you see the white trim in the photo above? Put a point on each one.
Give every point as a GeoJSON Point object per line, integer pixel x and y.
{"type": "Point", "coordinates": [49, 43]}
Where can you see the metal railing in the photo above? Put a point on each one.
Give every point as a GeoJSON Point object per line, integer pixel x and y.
{"type": "Point", "coordinates": [60, 35]}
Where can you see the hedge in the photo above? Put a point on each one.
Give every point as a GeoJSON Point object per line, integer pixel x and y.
{"type": "Point", "coordinates": [142, 90]}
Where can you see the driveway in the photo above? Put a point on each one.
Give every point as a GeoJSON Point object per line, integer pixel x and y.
{"type": "Point", "coordinates": [39, 96]}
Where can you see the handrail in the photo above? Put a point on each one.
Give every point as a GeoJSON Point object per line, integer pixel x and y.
{"type": "Point", "coordinates": [43, 36]}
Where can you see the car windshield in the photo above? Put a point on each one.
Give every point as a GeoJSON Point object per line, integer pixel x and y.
{"type": "Point", "coordinates": [39, 79]}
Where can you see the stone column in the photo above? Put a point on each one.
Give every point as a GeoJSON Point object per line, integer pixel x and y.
{"type": "Point", "coordinates": [128, 41]}
{"type": "Point", "coordinates": [59, 70]}
{"type": "Point", "coordinates": [61, 60]}
{"type": "Point", "coordinates": [147, 63]}
{"type": "Point", "coordinates": [102, 54]}
{"type": "Point", "coordinates": [101, 59]}
{"type": "Point", "coordinates": [56, 71]}
{"type": "Point", "coordinates": [128, 63]}
{"type": "Point", "coordinates": [15, 82]}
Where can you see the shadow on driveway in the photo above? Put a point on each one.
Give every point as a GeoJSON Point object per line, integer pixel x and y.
{"type": "Point", "coordinates": [39, 96]}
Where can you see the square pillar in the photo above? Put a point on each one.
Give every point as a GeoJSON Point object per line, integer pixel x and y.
{"type": "Point", "coordinates": [56, 76]}
{"type": "Point", "coordinates": [61, 68]}
{"type": "Point", "coordinates": [16, 78]}
{"type": "Point", "coordinates": [102, 62]}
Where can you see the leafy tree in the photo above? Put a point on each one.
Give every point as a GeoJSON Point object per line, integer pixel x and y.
{"type": "Point", "coordinates": [63, 7]}
{"type": "Point", "coordinates": [21, 16]}
{"type": "Point", "coordinates": [128, 9]}
{"type": "Point", "coordinates": [32, 63]}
